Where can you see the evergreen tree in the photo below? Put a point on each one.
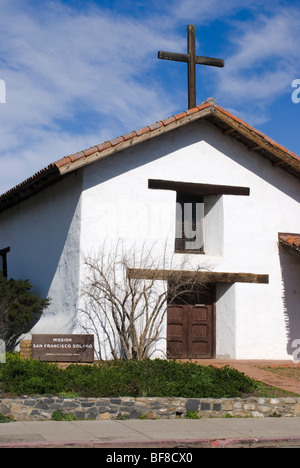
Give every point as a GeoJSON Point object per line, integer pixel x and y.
{"type": "Point", "coordinates": [20, 309]}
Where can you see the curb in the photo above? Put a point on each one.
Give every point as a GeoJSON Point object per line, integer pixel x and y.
{"type": "Point", "coordinates": [164, 444]}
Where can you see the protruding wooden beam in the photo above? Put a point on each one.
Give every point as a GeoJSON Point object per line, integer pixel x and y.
{"type": "Point", "coordinates": [200, 276]}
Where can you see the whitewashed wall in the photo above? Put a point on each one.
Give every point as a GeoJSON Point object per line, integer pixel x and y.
{"type": "Point", "coordinates": [241, 232]}
{"type": "Point", "coordinates": [43, 235]}
{"type": "Point", "coordinates": [50, 234]}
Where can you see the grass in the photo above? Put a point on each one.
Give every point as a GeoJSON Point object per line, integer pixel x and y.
{"type": "Point", "coordinates": [62, 416]}
{"type": "Point", "coordinates": [266, 391]}
{"type": "Point", "coordinates": [291, 372]}
{"type": "Point", "coordinates": [192, 415]}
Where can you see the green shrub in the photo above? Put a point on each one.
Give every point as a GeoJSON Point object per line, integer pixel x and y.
{"type": "Point", "coordinates": [192, 415]}
{"type": "Point", "coordinates": [149, 378]}
{"type": "Point", "coordinates": [4, 419]}
{"type": "Point", "coordinates": [26, 376]}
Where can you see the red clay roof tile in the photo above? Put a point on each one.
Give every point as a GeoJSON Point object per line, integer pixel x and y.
{"type": "Point", "coordinates": [104, 146]}
{"type": "Point", "coordinates": [180, 116]}
{"type": "Point", "coordinates": [291, 240]}
{"type": "Point", "coordinates": [192, 111]}
{"type": "Point", "coordinates": [168, 120]}
{"type": "Point", "coordinates": [63, 161]}
{"type": "Point", "coordinates": [90, 151]}
{"type": "Point", "coordinates": [116, 141]}
{"type": "Point", "coordinates": [76, 156]}
{"type": "Point", "coordinates": [130, 135]}
{"type": "Point", "coordinates": [258, 132]}
{"type": "Point", "coordinates": [166, 123]}
{"type": "Point", "coordinates": [156, 126]}
{"type": "Point", "coordinates": [143, 130]}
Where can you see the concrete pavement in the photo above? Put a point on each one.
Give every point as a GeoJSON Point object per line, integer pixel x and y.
{"type": "Point", "coordinates": [163, 433]}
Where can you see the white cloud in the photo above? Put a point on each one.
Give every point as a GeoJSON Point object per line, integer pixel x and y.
{"type": "Point", "coordinates": [265, 61]}
{"type": "Point", "coordinates": [57, 65]}
{"type": "Point", "coordinates": [75, 78]}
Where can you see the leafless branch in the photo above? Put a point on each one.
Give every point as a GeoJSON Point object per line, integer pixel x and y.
{"type": "Point", "coordinates": [126, 314]}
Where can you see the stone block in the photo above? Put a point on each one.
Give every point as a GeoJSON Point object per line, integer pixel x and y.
{"type": "Point", "coordinates": [297, 409]}
{"type": "Point", "coordinates": [192, 405]}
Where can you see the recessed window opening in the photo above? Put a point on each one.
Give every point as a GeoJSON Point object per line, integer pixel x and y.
{"type": "Point", "coordinates": [189, 224]}
{"type": "Point", "coordinates": [3, 261]}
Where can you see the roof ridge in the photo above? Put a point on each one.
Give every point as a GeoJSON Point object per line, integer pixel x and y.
{"type": "Point", "coordinates": [258, 132]}
{"type": "Point", "coordinates": [69, 159]}
{"type": "Point", "coordinates": [135, 133]}
{"type": "Point", "coordinates": [226, 122]}
{"type": "Point", "coordinates": [46, 172]}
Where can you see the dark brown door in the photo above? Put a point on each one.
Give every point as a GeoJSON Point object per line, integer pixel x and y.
{"type": "Point", "coordinates": [177, 332]}
{"type": "Point", "coordinates": [190, 329]}
{"type": "Point", "coordinates": [200, 331]}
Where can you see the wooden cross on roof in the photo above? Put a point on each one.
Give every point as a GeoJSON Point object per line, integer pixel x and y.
{"type": "Point", "coordinates": [192, 59]}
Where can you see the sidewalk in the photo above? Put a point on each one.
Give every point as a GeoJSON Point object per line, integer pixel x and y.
{"type": "Point", "coordinates": [159, 434]}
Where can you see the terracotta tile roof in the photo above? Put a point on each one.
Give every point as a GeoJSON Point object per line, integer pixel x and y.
{"type": "Point", "coordinates": [291, 241]}
{"type": "Point", "coordinates": [234, 126]}
{"type": "Point", "coordinates": [88, 156]}
{"type": "Point", "coordinates": [229, 124]}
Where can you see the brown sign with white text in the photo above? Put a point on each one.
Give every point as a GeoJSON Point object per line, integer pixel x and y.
{"type": "Point", "coordinates": [63, 348]}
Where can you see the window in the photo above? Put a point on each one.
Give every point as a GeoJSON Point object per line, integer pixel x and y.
{"type": "Point", "coordinates": [189, 224]}
{"type": "Point", "coordinates": [3, 261]}
{"type": "Point", "coordinates": [191, 199]}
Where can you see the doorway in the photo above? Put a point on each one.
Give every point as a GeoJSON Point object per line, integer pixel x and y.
{"type": "Point", "coordinates": [191, 325]}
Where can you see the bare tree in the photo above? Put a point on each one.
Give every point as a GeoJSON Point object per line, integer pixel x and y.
{"type": "Point", "coordinates": [125, 310]}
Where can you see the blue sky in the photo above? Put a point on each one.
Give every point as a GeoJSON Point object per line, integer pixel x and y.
{"type": "Point", "coordinates": [80, 72]}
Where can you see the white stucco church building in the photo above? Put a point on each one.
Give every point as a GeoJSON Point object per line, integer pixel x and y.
{"type": "Point", "coordinates": [237, 190]}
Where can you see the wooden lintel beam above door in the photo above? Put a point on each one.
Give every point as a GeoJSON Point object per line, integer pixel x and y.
{"type": "Point", "coordinates": [201, 276]}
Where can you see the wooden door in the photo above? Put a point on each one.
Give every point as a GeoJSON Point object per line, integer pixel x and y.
{"type": "Point", "coordinates": [199, 337]}
{"type": "Point", "coordinates": [190, 329]}
{"type": "Point", "coordinates": [177, 332]}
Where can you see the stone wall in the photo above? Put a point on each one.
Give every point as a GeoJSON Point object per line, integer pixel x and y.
{"type": "Point", "coordinates": [42, 408]}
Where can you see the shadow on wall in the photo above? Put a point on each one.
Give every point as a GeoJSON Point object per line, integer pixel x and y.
{"type": "Point", "coordinates": [47, 250]}
{"type": "Point", "coordinates": [290, 271]}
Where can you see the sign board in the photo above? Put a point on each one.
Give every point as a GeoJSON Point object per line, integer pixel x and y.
{"type": "Point", "coordinates": [63, 348]}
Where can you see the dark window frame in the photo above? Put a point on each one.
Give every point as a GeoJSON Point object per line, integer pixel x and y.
{"type": "Point", "coordinates": [195, 191]}
{"type": "Point", "coordinates": [3, 254]}
{"type": "Point", "coordinates": [183, 200]}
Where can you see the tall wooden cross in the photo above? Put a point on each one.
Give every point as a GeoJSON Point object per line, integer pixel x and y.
{"type": "Point", "coordinates": [192, 59]}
